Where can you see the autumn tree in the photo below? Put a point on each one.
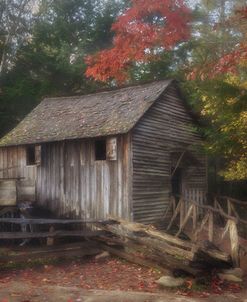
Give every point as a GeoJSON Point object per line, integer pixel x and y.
{"type": "Point", "coordinates": [143, 33]}
{"type": "Point", "coordinates": [219, 80]}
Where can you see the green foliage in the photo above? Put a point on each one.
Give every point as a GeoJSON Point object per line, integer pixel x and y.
{"type": "Point", "coordinates": [51, 61]}
{"type": "Point", "coordinates": [221, 97]}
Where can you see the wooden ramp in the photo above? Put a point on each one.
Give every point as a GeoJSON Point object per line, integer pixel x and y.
{"type": "Point", "coordinates": [218, 224]}
{"type": "Point", "coordinates": [206, 225]}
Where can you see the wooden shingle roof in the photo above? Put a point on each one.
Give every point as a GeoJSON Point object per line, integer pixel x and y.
{"type": "Point", "coordinates": [94, 115]}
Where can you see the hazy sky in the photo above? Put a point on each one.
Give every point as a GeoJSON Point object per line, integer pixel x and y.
{"type": "Point", "coordinates": [192, 2]}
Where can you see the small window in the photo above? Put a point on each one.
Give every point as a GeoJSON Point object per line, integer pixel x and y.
{"type": "Point", "coordinates": [100, 149]}
{"type": "Point", "coordinates": [30, 155]}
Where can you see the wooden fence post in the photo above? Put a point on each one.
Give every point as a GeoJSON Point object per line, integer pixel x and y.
{"type": "Point", "coordinates": [211, 226]}
{"type": "Point", "coordinates": [229, 208]}
{"type": "Point", "coordinates": [195, 213]}
{"type": "Point", "coordinates": [182, 211]}
{"type": "Point", "coordinates": [234, 239]}
{"type": "Point", "coordinates": [186, 218]}
{"type": "Point", "coordinates": [200, 228]}
{"type": "Point", "coordinates": [176, 212]}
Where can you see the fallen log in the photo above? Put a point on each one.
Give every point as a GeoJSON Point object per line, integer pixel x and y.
{"type": "Point", "coordinates": [171, 252]}
{"type": "Point", "coordinates": [145, 255]}
{"type": "Point", "coordinates": [133, 258]}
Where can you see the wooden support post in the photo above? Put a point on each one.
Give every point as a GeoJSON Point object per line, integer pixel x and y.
{"type": "Point", "coordinates": [176, 212]}
{"type": "Point", "coordinates": [211, 226]}
{"type": "Point", "coordinates": [229, 208]}
{"type": "Point", "coordinates": [234, 239]}
{"type": "Point", "coordinates": [234, 211]}
{"type": "Point", "coordinates": [182, 210]}
{"type": "Point", "coordinates": [50, 240]}
{"type": "Point", "coordinates": [183, 223]}
{"type": "Point", "coordinates": [215, 202]}
{"type": "Point", "coordinates": [171, 206]}
{"type": "Point", "coordinates": [204, 221]}
{"type": "Point", "coordinates": [195, 213]}
{"type": "Point", "coordinates": [226, 229]}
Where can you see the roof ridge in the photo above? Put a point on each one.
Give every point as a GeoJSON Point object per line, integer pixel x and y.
{"type": "Point", "coordinates": [107, 91]}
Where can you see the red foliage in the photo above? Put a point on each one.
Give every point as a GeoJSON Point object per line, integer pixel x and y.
{"type": "Point", "coordinates": [140, 33]}
{"type": "Point", "coordinates": [229, 62]}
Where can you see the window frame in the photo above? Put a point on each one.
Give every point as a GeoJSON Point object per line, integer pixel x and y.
{"type": "Point", "coordinates": [36, 156]}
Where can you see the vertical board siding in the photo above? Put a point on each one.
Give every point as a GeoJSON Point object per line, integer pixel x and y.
{"type": "Point", "coordinates": [165, 128]}
{"type": "Point", "coordinates": [71, 183]}
{"type": "Point", "coordinates": [13, 166]}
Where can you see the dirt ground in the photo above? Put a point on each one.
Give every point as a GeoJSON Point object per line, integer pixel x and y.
{"type": "Point", "coordinates": [22, 292]}
{"type": "Point", "coordinates": [105, 280]}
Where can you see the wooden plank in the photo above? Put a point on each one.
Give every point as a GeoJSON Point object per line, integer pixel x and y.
{"type": "Point", "coordinates": [219, 211]}
{"type": "Point", "coordinates": [53, 234]}
{"type": "Point", "coordinates": [49, 221]}
{"type": "Point", "coordinates": [234, 239]}
{"type": "Point", "coordinates": [195, 217]}
{"type": "Point", "coordinates": [200, 228]}
{"type": "Point", "coordinates": [178, 209]}
{"type": "Point", "coordinates": [184, 222]}
{"type": "Point", "coordinates": [8, 195]}
{"type": "Point", "coordinates": [211, 226]}
{"type": "Point", "coordinates": [26, 190]}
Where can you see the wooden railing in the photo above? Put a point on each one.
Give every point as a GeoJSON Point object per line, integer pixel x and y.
{"type": "Point", "coordinates": [200, 217]}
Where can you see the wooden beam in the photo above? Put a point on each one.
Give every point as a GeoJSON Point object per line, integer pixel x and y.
{"type": "Point", "coordinates": [219, 211]}
{"type": "Point", "coordinates": [178, 163]}
{"type": "Point", "coordinates": [211, 226]}
{"type": "Point", "coordinates": [184, 222]}
{"type": "Point", "coordinates": [234, 239]}
{"type": "Point", "coordinates": [203, 223]}
{"type": "Point", "coordinates": [27, 235]}
{"type": "Point", "coordinates": [177, 210]}
{"type": "Point", "coordinates": [49, 221]}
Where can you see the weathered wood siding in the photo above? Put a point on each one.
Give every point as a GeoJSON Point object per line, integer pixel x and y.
{"type": "Point", "coordinates": [71, 183]}
{"type": "Point", "coordinates": [165, 128]}
{"type": "Point", "coordinates": [8, 196]}
{"type": "Point", "coordinates": [13, 166]}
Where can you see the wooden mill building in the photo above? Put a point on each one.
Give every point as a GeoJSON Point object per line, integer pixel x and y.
{"type": "Point", "coordinates": [120, 153]}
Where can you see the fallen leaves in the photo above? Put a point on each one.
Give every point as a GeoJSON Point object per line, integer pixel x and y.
{"type": "Point", "coordinates": [110, 274]}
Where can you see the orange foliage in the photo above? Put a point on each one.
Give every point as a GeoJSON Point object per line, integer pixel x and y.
{"type": "Point", "coordinates": [229, 62]}
{"type": "Point", "coordinates": [144, 30]}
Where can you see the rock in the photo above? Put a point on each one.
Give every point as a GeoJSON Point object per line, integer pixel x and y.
{"type": "Point", "coordinates": [102, 256]}
{"type": "Point", "coordinates": [238, 272]}
{"type": "Point", "coordinates": [230, 278]}
{"type": "Point", "coordinates": [168, 281]}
